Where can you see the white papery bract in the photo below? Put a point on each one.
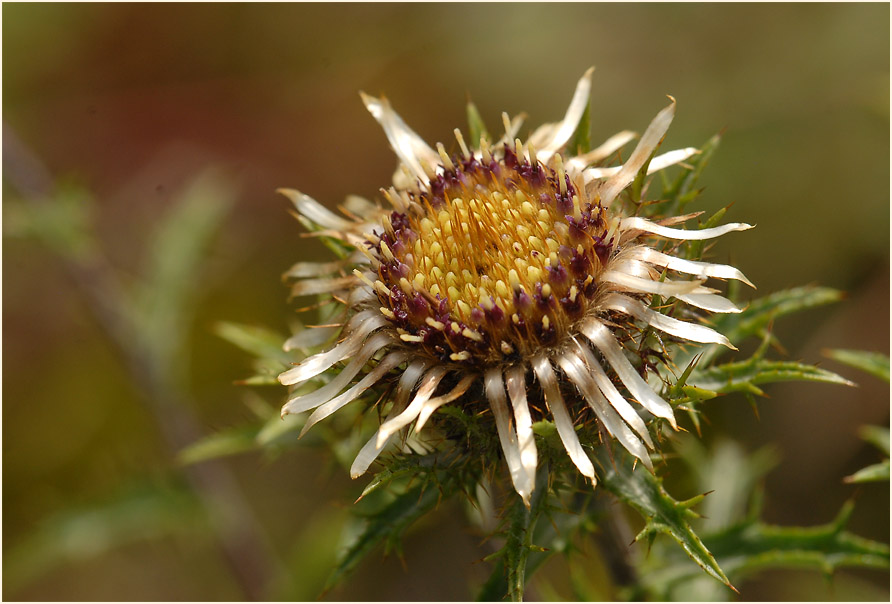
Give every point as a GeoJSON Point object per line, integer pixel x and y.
{"type": "Point", "coordinates": [501, 266]}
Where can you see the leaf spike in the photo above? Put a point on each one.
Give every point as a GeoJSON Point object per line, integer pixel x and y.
{"type": "Point", "coordinates": [843, 517]}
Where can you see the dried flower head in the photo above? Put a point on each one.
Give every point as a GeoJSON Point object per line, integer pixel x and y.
{"type": "Point", "coordinates": [505, 264]}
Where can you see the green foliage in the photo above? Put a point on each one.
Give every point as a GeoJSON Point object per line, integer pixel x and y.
{"type": "Point", "coordinates": [744, 376]}
{"type": "Point", "coordinates": [878, 472]}
{"type": "Point", "coordinates": [874, 363]}
{"type": "Point", "coordinates": [417, 485]}
{"type": "Point", "coordinates": [261, 342]}
{"type": "Point", "coordinates": [751, 546]}
{"type": "Point", "coordinates": [644, 492]}
{"type": "Point", "coordinates": [741, 543]}
{"type": "Point", "coordinates": [681, 192]}
{"type": "Point", "coordinates": [164, 300]}
{"type": "Point", "coordinates": [727, 544]}
{"type": "Point", "coordinates": [509, 576]}
{"type": "Point", "coordinates": [761, 312]}
{"type": "Point", "coordinates": [878, 437]}
{"type": "Point", "coordinates": [756, 318]}
{"type": "Point", "coordinates": [63, 221]}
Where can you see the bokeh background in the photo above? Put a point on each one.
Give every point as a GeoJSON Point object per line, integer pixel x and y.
{"type": "Point", "coordinates": [133, 102]}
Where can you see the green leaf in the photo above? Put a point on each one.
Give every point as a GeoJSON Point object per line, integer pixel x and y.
{"type": "Point", "coordinates": [743, 376]}
{"type": "Point", "coordinates": [220, 444]}
{"type": "Point", "coordinates": [876, 473]}
{"type": "Point", "coordinates": [682, 191]}
{"type": "Point", "coordinates": [755, 318]}
{"type": "Point", "coordinates": [174, 264]}
{"type": "Point", "coordinates": [662, 513]}
{"type": "Point", "coordinates": [877, 436]}
{"type": "Point", "coordinates": [476, 127]}
{"type": "Point", "coordinates": [270, 433]}
{"type": "Point", "coordinates": [399, 467]}
{"type": "Point", "coordinates": [874, 363]}
{"type": "Point", "coordinates": [259, 341]}
{"type": "Point", "coordinates": [752, 546]}
{"type": "Point", "coordinates": [581, 141]}
{"type": "Point", "coordinates": [385, 526]}
{"type": "Point", "coordinates": [62, 221]}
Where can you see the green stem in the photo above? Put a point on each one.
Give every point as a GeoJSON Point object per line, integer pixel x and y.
{"type": "Point", "coordinates": [520, 535]}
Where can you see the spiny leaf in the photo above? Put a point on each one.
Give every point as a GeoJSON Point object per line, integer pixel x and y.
{"type": "Point", "coordinates": [874, 363]}
{"type": "Point", "coordinates": [743, 376]}
{"type": "Point", "coordinates": [751, 546]}
{"type": "Point", "coordinates": [397, 468]}
{"type": "Point", "coordinates": [754, 545]}
{"type": "Point", "coordinates": [728, 472]}
{"type": "Point", "coordinates": [877, 436]}
{"type": "Point", "coordinates": [682, 191]}
{"type": "Point", "coordinates": [759, 313]}
{"type": "Point", "coordinates": [662, 513]}
{"type": "Point", "coordinates": [876, 473]}
{"type": "Point", "coordinates": [387, 525]}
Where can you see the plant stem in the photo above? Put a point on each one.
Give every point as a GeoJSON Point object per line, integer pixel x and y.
{"type": "Point", "coordinates": [520, 534]}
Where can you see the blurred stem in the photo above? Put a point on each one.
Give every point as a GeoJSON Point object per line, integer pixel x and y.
{"type": "Point", "coordinates": [239, 535]}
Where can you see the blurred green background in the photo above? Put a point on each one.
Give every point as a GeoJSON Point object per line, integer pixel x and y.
{"type": "Point", "coordinates": [134, 101]}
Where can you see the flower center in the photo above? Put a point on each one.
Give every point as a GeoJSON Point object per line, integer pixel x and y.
{"type": "Point", "coordinates": [495, 258]}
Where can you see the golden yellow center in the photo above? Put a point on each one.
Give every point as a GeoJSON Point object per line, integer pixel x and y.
{"type": "Point", "coordinates": [491, 260]}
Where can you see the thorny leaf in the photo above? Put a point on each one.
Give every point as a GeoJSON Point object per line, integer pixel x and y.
{"type": "Point", "coordinates": [744, 376]}
{"type": "Point", "coordinates": [662, 513]}
{"type": "Point", "coordinates": [874, 363]}
{"type": "Point", "coordinates": [682, 191]}
{"type": "Point", "coordinates": [751, 546]}
{"type": "Point", "coordinates": [758, 314]}
{"type": "Point", "coordinates": [387, 526]}
{"type": "Point", "coordinates": [878, 437]}
{"type": "Point", "coordinates": [878, 472]}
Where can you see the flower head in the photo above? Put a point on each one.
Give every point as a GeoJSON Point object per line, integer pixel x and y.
{"type": "Point", "coordinates": [501, 265]}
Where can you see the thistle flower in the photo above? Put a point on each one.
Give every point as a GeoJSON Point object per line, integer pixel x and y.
{"type": "Point", "coordinates": [501, 265]}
